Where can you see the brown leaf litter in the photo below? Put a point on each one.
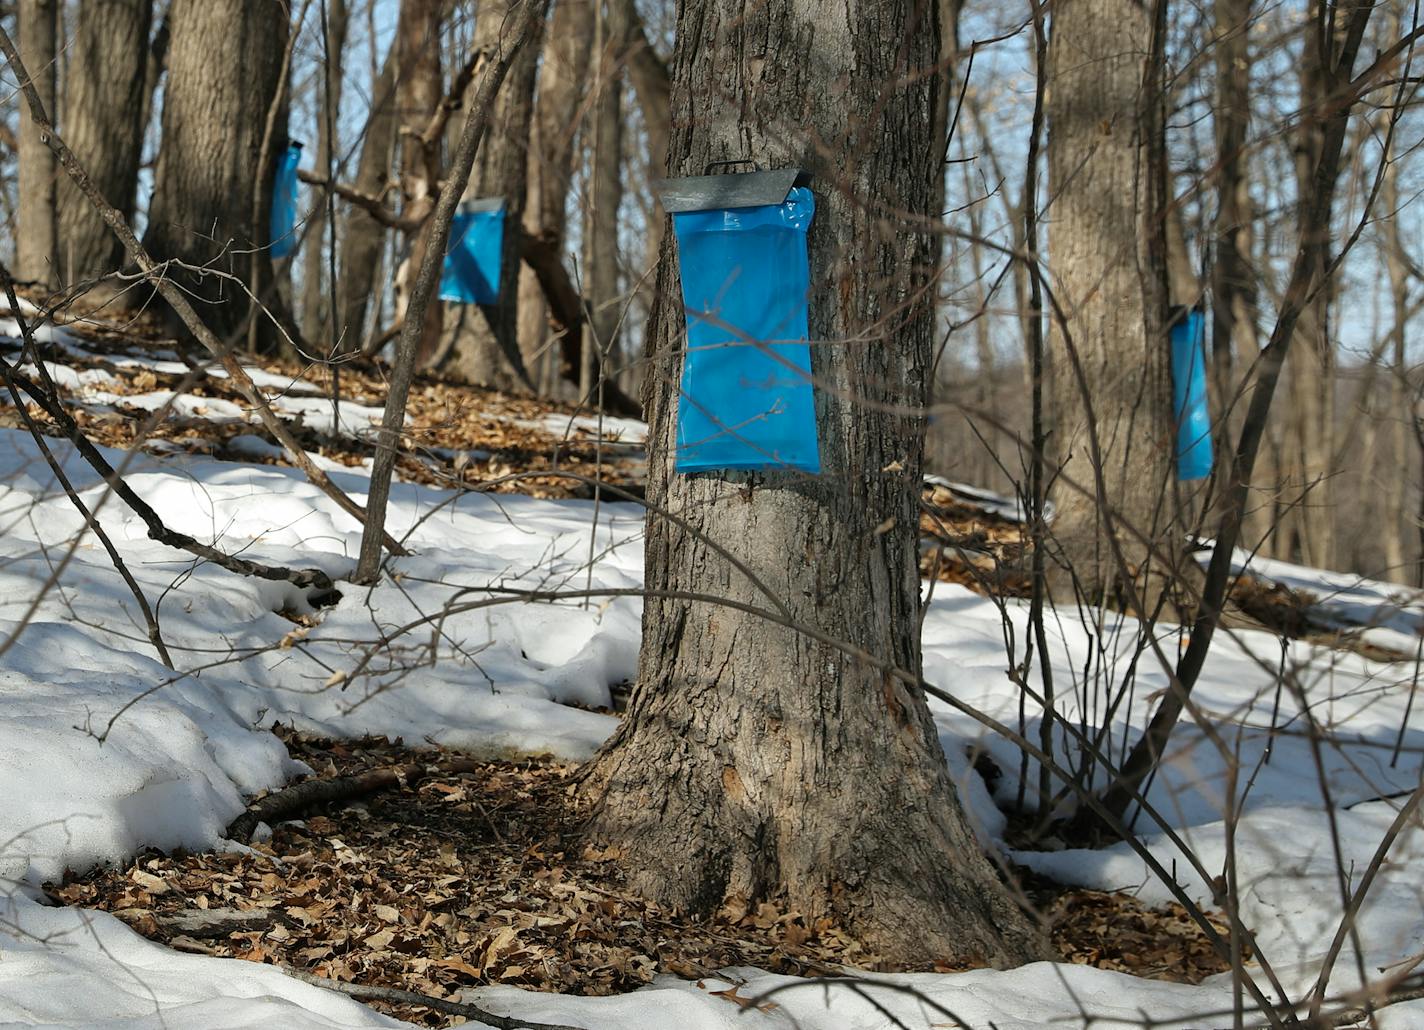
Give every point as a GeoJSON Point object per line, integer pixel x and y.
{"type": "Point", "coordinates": [479, 878]}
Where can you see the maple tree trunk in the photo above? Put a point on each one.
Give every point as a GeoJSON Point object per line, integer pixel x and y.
{"type": "Point", "coordinates": [648, 75]}
{"type": "Point", "coordinates": [1099, 236]}
{"type": "Point", "coordinates": [1394, 481]}
{"type": "Point", "coordinates": [103, 103]}
{"type": "Point", "coordinates": [482, 344]}
{"type": "Point", "coordinates": [35, 238]}
{"type": "Point", "coordinates": [756, 763]}
{"type": "Point", "coordinates": [215, 105]}
{"type": "Point", "coordinates": [1307, 529]}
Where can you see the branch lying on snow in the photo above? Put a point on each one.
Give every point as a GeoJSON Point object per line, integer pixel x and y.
{"type": "Point", "coordinates": [299, 797]}
{"type": "Point", "coordinates": [176, 299]}
{"type": "Point", "coordinates": [156, 529]}
{"type": "Point", "coordinates": [453, 1008]}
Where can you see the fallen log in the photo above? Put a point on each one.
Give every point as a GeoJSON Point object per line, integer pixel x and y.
{"type": "Point", "coordinates": [215, 923]}
{"type": "Point", "coordinates": [299, 797]}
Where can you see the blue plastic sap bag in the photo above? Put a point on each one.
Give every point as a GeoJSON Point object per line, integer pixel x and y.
{"type": "Point", "coordinates": [1189, 398]}
{"type": "Point", "coordinates": [746, 400]}
{"type": "Point", "coordinates": [284, 202]}
{"type": "Point", "coordinates": [470, 274]}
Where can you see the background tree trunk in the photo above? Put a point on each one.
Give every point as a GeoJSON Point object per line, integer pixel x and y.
{"type": "Point", "coordinates": [600, 234]}
{"type": "Point", "coordinates": [214, 114]}
{"type": "Point", "coordinates": [155, 62]}
{"type": "Point", "coordinates": [362, 237]}
{"type": "Point", "coordinates": [648, 75]}
{"type": "Point", "coordinates": [557, 118]}
{"type": "Point", "coordinates": [1100, 221]}
{"type": "Point", "coordinates": [755, 763]}
{"type": "Point", "coordinates": [104, 103]}
{"type": "Point", "coordinates": [1391, 482]}
{"type": "Point", "coordinates": [482, 343]}
{"type": "Point", "coordinates": [419, 89]}
{"type": "Point", "coordinates": [35, 239]}
{"type": "Point", "coordinates": [316, 291]}
{"type": "Point", "coordinates": [1234, 335]}
{"type": "Point", "coordinates": [1307, 530]}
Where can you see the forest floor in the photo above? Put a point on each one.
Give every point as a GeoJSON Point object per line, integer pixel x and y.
{"type": "Point", "coordinates": [479, 877]}
{"type": "Point", "coordinates": [120, 777]}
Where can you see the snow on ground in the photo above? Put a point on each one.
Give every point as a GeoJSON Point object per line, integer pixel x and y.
{"type": "Point", "coordinates": [104, 751]}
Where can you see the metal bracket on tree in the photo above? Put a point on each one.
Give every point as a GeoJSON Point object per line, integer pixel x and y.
{"type": "Point", "coordinates": [708, 192]}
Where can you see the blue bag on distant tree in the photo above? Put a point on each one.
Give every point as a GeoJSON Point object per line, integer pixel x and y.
{"type": "Point", "coordinates": [471, 271]}
{"type": "Point", "coordinates": [746, 400]}
{"type": "Point", "coordinates": [284, 202]}
{"type": "Point", "coordinates": [1189, 404]}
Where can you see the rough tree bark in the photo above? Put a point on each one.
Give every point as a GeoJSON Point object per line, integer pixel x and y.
{"type": "Point", "coordinates": [756, 763]}
{"type": "Point", "coordinates": [557, 116]}
{"type": "Point", "coordinates": [362, 236]}
{"type": "Point", "coordinates": [35, 239]}
{"type": "Point", "coordinates": [482, 342]}
{"type": "Point", "coordinates": [214, 114]}
{"type": "Point", "coordinates": [317, 293]}
{"type": "Point", "coordinates": [103, 104]}
{"type": "Point", "coordinates": [1099, 247]}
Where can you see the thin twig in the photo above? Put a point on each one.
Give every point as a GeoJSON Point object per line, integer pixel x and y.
{"type": "Point", "coordinates": [393, 420]}
{"type": "Point", "coordinates": [91, 521]}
